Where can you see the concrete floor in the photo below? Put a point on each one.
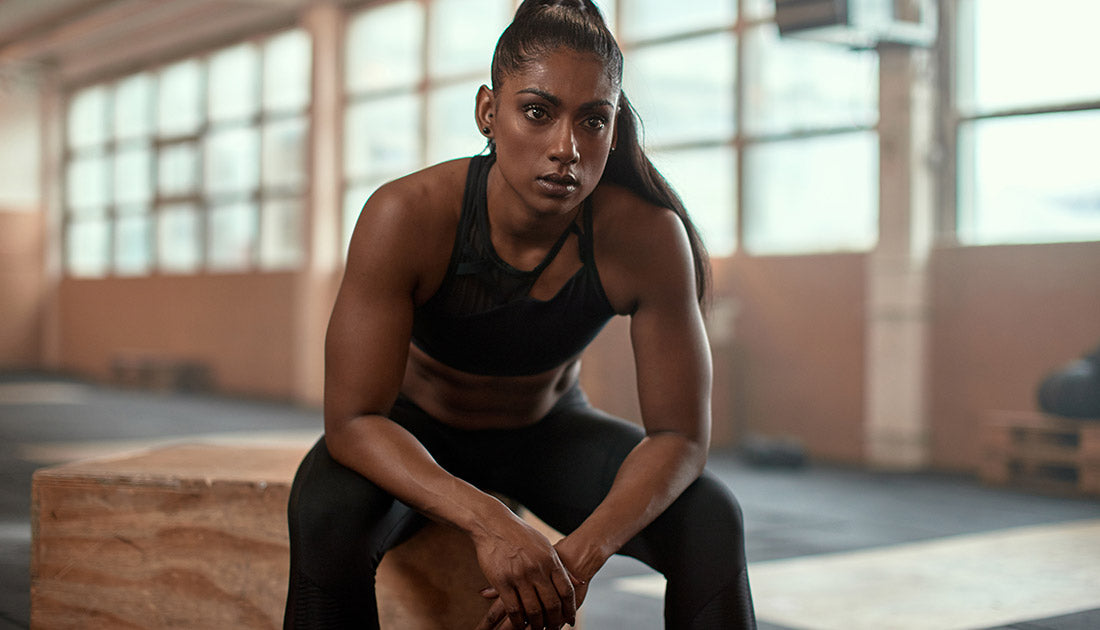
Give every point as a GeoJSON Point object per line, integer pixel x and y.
{"type": "Point", "coordinates": [813, 513]}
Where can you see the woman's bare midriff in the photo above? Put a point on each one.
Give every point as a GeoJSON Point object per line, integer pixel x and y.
{"type": "Point", "coordinates": [469, 401]}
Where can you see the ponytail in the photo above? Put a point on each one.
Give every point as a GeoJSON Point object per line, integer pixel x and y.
{"type": "Point", "coordinates": [630, 167]}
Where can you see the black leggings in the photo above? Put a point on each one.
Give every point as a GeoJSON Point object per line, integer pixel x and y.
{"type": "Point", "coordinates": [560, 468]}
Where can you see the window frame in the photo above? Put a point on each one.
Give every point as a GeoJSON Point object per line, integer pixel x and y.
{"type": "Point", "coordinates": [954, 117]}
{"type": "Point", "coordinates": [159, 143]}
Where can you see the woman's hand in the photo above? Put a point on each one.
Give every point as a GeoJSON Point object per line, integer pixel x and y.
{"type": "Point", "coordinates": [498, 619]}
{"type": "Point", "coordinates": [496, 611]}
{"type": "Point", "coordinates": [531, 586]}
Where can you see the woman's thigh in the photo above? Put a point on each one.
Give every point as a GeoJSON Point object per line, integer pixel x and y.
{"type": "Point", "coordinates": [341, 523]}
{"type": "Point", "coordinates": [569, 465]}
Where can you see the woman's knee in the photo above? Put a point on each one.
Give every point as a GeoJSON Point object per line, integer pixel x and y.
{"type": "Point", "coordinates": [337, 519]}
{"type": "Point", "coordinates": [703, 527]}
{"type": "Point", "coordinates": [709, 500]}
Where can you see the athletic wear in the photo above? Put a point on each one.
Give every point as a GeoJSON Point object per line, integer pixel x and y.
{"type": "Point", "coordinates": [482, 320]}
{"type": "Point", "coordinates": [560, 468]}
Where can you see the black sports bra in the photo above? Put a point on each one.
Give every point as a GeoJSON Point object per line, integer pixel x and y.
{"type": "Point", "coordinates": [482, 320]}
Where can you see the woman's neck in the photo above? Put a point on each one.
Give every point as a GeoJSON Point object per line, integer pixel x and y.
{"type": "Point", "coordinates": [517, 226]}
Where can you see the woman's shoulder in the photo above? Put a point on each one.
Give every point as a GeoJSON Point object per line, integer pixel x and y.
{"type": "Point", "coordinates": [624, 219]}
{"type": "Point", "coordinates": [415, 213]}
{"type": "Point", "coordinates": [426, 190]}
{"type": "Point", "coordinates": [639, 246]}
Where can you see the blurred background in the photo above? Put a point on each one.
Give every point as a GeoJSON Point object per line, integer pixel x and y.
{"type": "Point", "coordinates": [903, 208]}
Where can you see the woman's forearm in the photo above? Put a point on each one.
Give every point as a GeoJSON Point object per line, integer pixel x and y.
{"type": "Point", "coordinates": [652, 476]}
{"type": "Point", "coordinates": [392, 458]}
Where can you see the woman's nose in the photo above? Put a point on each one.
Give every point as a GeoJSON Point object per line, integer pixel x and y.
{"type": "Point", "coordinates": [564, 147]}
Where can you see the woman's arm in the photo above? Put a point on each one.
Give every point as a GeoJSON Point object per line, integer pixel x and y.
{"type": "Point", "coordinates": [366, 348]}
{"type": "Point", "coordinates": [673, 365]}
{"type": "Point", "coordinates": [649, 274]}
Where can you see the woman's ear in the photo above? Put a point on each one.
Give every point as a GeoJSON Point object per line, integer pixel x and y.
{"type": "Point", "coordinates": [483, 111]}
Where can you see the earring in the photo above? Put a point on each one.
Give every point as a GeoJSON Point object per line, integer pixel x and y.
{"type": "Point", "coordinates": [485, 130]}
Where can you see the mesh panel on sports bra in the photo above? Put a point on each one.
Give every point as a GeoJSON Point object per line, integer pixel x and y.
{"type": "Point", "coordinates": [479, 279]}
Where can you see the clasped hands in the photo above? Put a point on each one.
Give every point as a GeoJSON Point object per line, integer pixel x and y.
{"type": "Point", "coordinates": [529, 580]}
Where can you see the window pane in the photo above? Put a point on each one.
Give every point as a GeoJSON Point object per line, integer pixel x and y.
{"type": "Point", "coordinates": [793, 85]}
{"type": "Point", "coordinates": [383, 136]}
{"type": "Point", "coordinates": [178, 239]}
{"type": "Point", "coordinates": [86, 247]}
{"type": "Point", "coordinates": [281, 235]}
{"type": "Point", "coordinates": [134, 107]}
{"type": "Point", "coordinates": [177, 169]}
{"type": "Point", "coordinates": [131, 209]}
{"type": "Point", "coordinates": [178, 98]}
{"type": "Point", "coordinates": [133, 245]}
{"type": "Point", "coordinates": [706, 180]}
{"type": "Point", "coordinates": [812, 195]}
{"type": "Point", "coordinates": [755, 9]}
{"type": "Point", "coordinates": [284, 154]}
{"type": "Point", "coordinates": [133, 175]}
{"type": "Point", "coordinates": [287, 63]}
{"type": "Point", "coordinates": [234, 83]}
{"type": "Point", "coordinates": [89, 183]}
{"type": "Point", "coordinates": [655, 18]}
{"type": "Point", "coordinates": [464, 33]}
{"type": "Point", "coordinates": [1016, 53]}
{"type": "Point", "coordinates": [684, 90]}
{"type": "Point", "coordinates": [1030, 179]}
{"type": "Point", "coordinates": [232, 161]}
{"type": "Point", "coordinates": [384, 47]}
{"type": "Point", "coordinates": [231, 237]}
{"type": "Point", "coordinates": [452, 131]}
{"type": "Point", "coordinates": [88, 118]}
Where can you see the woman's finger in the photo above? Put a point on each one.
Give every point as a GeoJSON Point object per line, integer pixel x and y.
{"type": "Point", "coordinates": [563, 583]}
{"type": "Point", "coordinates": [532, 610]}
{"type": "Point", "coordinates": [493, 618]}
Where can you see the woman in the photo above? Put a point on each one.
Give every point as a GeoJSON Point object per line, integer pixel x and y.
{"type": "Point", "coordinates": [452, 359]}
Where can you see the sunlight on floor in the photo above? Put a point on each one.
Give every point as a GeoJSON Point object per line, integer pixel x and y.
{"type": "Point", "coordinates": [955, 583]}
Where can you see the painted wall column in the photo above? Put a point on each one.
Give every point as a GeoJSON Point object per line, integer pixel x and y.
{"type": "Point", "coordinates": [897, 309]}
{"type": "Point", "coordinates": [314, 284]}
{"type": "Point", "coordinates": [52, 184]}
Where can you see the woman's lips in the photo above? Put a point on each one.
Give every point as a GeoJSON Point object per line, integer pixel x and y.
{"type": "Point", "coordinates": [556, 185]}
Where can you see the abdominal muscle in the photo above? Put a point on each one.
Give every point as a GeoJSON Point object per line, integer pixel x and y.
{"type": "Point", "coordinates": [472, 402]}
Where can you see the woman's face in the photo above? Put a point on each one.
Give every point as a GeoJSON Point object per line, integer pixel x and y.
{"type": "Point", "coordinates": [553, 124]}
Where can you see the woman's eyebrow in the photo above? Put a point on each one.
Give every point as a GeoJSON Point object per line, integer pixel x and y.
{"type": "Point", "coordinates": [555, 101]}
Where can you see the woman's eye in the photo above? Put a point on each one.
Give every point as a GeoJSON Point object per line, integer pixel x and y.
{"type": "Point", "coordinates": [534, 112]}
{"type": "Point", "coordinates": [596, 122]}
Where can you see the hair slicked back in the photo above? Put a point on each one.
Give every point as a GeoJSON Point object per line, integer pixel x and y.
{"type": "Point", "coordinates": [542, 26]}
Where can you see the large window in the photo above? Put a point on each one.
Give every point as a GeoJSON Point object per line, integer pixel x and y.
{"type": "Point", "coordinates": [198, 165]}
{"type": "Point", "coordinates": [810, 152]}
{"type": "Point", "coordinates": [681, 72]}
{"type": "Point", "coordinates": [412, 73]}
{"type": "Point", "coordinates": [1028, 105]}
{"type": "Point", "coordinates": [730, 112]}
{"type": "Point", "coordinates": [795, 119]}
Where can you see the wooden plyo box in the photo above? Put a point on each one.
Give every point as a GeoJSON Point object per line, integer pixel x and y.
{"type": "Point", "coordinates": [189, 536]}
{"type": "Point", "coordinates": [195, 536]}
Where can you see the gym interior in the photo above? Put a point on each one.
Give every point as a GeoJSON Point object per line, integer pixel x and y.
{"type": "Point", "coordinates": [899, 198]}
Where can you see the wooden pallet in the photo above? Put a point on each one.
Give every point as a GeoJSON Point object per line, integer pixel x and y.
{"type": "Point", "coordinates": [1041, 452]}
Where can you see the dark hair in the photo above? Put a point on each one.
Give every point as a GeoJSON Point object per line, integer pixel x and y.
{"type": "Point", "coordinates": [542, 26]}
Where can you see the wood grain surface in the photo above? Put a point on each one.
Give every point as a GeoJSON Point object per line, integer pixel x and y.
{"type": "Point", "coordinates": [195, 536]}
